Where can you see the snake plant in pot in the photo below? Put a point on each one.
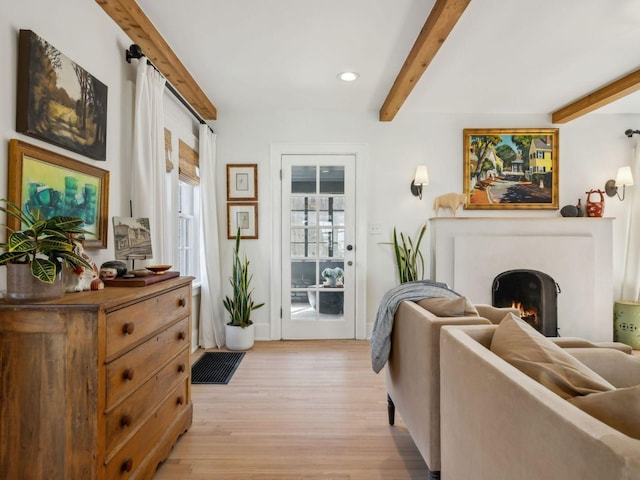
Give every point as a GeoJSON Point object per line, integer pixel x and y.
{"type": "Point", "coordinates": [35, 256]}
{"type": "Point", "coordinates": [239, 331]}
{"type": "Point", "coordinates": [409, 259]}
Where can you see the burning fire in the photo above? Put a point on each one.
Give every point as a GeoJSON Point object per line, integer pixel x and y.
{"type": "Point", "coordinates": [528, 315]}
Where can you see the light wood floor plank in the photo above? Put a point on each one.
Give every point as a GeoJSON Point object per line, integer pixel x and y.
{"type": "Point", "coordinates": [296, 410]}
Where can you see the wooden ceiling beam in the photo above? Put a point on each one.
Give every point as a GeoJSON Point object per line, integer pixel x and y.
{"type": "Point", "coordinates": [599, 98]}
{"type": "Point", "coordinates": [130, 17]}
{"type": "Point", "coordinates": [443, 17]}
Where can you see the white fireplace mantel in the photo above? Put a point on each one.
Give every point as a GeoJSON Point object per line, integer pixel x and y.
{"type": "Point", "coordinates": [467, 253]}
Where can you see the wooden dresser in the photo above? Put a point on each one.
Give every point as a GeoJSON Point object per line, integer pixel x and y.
{"type": "Point", "coordinates": [95, 385]}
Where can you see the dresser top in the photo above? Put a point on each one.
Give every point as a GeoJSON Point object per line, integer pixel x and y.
{"type": "Point", "coordinates": [103, 298]}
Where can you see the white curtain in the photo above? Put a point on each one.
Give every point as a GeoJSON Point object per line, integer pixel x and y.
{"type": "Point", "coordinates": [148, 182]}
{"type": "Point", "coordinates": [211, 309]}
{"type": "Point", "coordinates": [631, 280]}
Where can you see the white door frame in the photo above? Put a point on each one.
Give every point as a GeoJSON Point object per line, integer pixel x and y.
{"type": "Point", "coordinates": [360, 153]}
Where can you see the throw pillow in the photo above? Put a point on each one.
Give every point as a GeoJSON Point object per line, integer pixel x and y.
{"type": "Point", "coordinates": [620, 409]}
{"type": "Point", "coordinates": [449, 307]}
{"type": "Point", "coordinates": [518, 343]}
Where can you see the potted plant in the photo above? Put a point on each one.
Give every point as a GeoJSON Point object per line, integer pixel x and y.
{"type": "Point", "coordinates": [240, 331]}
{"type": "Point", "coordinates": [332, 275]}
{"type": "Point", "coordinates": [35, 256]}
{"type": "Point", "coordinates": [409, 259]}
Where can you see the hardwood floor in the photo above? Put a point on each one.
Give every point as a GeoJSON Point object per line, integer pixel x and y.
{"type": "Point", "coordinates": [296, 410]}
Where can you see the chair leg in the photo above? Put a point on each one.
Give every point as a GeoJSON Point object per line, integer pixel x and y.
{"type": "Point", "coordinates": [391, 410]}
{"type": "Point", "coordinates": [434, 475]}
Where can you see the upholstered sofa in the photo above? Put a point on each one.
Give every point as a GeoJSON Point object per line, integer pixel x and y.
{"type": "Point", "coordinates": [413, 366]}
{"type": "Point", "coordinates": [499, 423]}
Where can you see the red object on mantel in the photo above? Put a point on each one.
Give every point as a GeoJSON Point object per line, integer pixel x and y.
{"type": "Point", "coordinates": [140, 281]}
{"type": "Point", "coordinates": [595, 208]}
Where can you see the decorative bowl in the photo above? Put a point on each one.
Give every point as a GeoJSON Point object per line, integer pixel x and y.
{"type": "Point", "coordinates": [158, 269]}
{"type": "Point", "coordinates": [140, 273]}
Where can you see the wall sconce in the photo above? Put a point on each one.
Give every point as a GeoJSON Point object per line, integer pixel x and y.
{"type": "Point", "coordinates": [624, 179]}
{"type": "Point", "coordinates": [421, 178]}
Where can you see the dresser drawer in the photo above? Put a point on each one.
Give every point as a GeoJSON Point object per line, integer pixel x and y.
{"type": "Point", "coordinates": [127, 416]}
{"type": "Point", "coordinates": [129, 372]}
{"type": "Point", "coordinates": [129, 325]}
{"type": "Point", "coordinates": [125, 462]}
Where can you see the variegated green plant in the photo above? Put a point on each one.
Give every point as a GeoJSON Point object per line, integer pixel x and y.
{"type": "Point", "coordinates": [45, 244]}
{"type": "Point", "coordinates": [240, 304]}
{"type": "Point", "coordinates": [409, 259]}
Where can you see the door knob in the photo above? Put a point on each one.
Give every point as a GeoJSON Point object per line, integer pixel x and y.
{"type": "Point", "coordinates": [349, 247]}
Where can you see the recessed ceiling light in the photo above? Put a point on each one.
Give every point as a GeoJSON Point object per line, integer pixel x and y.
{"type": "Point", "coordinates": [348, 76]}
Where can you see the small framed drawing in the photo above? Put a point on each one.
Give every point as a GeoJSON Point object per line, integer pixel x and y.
{"type": "Point", "coordinates": [511, 168]}
{"type": "Point", "coordinates": [243, 216]}
{"type": "Point", "coordinates": [242, 181]}
{"type": "Point", "coordinates": [132, 238]}
{"type": "Point", "coordinates": [58, 185]}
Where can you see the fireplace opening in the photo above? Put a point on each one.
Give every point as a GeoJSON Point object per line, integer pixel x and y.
{"type": "Point", "coordinates": [534, 293]}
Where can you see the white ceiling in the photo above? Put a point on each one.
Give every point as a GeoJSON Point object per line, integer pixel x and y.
{"type": "Point", "coordinates": [503, 56]}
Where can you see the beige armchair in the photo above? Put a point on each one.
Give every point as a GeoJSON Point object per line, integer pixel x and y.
{"type": "Point", "coordinates": [413, 372]}
{"type": "Point", "coordinates": [413, 366]}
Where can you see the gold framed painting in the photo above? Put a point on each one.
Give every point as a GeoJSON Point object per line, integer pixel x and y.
{"type": "Point", "coordinates": [58, 185]}
{"type": "Point", "coordinates": [511, 168]}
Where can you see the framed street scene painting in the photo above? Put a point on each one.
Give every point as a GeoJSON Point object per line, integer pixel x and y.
{"type": "Point", "coordinates": [511, 168]}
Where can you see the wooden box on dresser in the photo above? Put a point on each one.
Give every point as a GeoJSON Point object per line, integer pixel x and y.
{"type": "Point", "coordinates": [95, 385]}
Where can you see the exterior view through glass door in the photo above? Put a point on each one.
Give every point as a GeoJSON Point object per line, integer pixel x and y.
{"type": "Point", "coordinates": [318, 222]}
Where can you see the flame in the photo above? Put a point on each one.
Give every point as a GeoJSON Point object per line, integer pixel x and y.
{"type": "Point", "coordinates": [529, 315]}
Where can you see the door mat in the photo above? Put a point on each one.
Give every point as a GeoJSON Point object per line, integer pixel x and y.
{"type": "Point", "coordinates": [215, 367]}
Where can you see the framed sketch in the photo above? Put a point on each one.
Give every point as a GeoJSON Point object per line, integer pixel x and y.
{"type": "Point", "coordinates": [59, 101]}
{"type": "Point", "coordinates": [58, 185]}
{"type": "Point", "coordinates": [242, 181]}
{"type": "Point", "coordinates": [511, 168]}
{"type": "Point", "coordinates": [242, 215]}
{"type": "Point", "coordinates": [132, 238]}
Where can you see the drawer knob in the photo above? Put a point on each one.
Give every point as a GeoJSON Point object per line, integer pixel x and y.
{"type": "Point", "coordinates": [181, 368]}
{"type": "Point", "coordinates": [182, 335]}
{"type": "Point", "coordinates": [128, 328]}
{"type": "Point", "coordinates": [125, 421]}
{"type": "Point", "coordinates": [180, 400]}
{"type": "Point", "coordinates": [127, 374]}
{"type": "Point", "coordinates": [127, 465]}
{"type": "Point", "coordinates": [182, 302]}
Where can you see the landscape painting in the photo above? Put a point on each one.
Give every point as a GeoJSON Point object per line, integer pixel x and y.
{"type": "Point", "coordinates": [511, 168]}
{"type": "Point", "coordinates": [59, 101]}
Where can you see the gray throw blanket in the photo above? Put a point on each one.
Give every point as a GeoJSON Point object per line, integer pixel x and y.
{"type": "Point", "coordinates": [412, 291]}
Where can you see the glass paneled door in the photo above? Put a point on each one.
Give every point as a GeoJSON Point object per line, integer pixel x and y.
{"type": "Point", "coordinates": [318, 222]}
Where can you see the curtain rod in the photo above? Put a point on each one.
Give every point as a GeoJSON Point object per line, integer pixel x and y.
{"type": "Point", "coordinates": [136, 52]}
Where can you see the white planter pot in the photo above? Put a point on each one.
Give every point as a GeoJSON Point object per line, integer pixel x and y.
{"type": "Point", "coordinates": [239, 338]}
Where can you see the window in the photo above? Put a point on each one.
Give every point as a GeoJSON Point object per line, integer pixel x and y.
{"type": "Point", "coordinates": [188, 229]}
{"type": "Point", "coordinates": [183, 190]}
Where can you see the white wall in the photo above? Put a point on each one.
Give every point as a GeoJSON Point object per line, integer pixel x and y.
{"type": "Point", "coordinates": [591, 148]}
{"type": "Point", "coordinates": [83, 32]}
